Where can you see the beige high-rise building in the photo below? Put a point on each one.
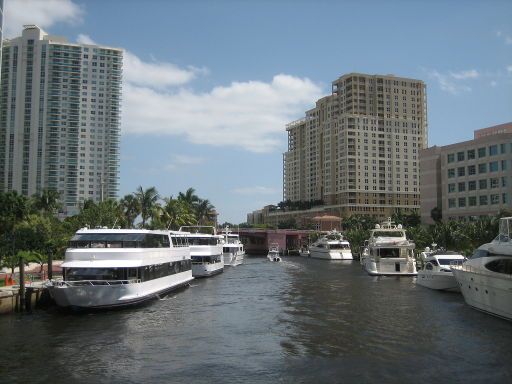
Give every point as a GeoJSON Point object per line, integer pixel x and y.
{"type": "Point", "coordinates": [357, 150]}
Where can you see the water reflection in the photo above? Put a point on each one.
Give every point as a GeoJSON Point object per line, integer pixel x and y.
{"type": "Point", "coordinates": [299, 321]}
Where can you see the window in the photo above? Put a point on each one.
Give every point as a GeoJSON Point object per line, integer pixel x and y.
{"type": "Point", "coordinates": [461, 171]}
{"type": "Point", "coordinates": [462, 202]}
{"type": "Point", "coordinates": [483, 200]}
{"type": "Point", "coordinates": [460, 156]}
{"type": "Point", "coordinates": [503, 165]}
{"type": "Point", "coordinates": [451, 203]}
{"type": "Point", "coordinates": [471, 185]}
{"type": "Point", "coordinates": [503, 181]}
{"type": "Point", "coordinates": [503, 148]}
{"type": "Point", "coordinates": [472, 201]}
{"type": "Point", "coordinates": [462, 187]}
{"type": "Point", "coordinates": [451, 157]}
{"type": "Point", "coordinates": [471, 154]}
{"type": "Point", "coordinates": [451, 188]}
{"type": "Point", "coordinates": [471, 170]}
{"type": "Point", "coordinates": [451, 173]}
{"type": "Point", "coordinates": [495, 199]}
{"type": "Point", "coordinates": [494, 182]}
{"type": "Point", "coordinates": [481, 152]}
{"type": "Point", "coordinates": [493, 166]}
{"type": "Point", "coordinates": [482, 184]}
{"type": "Point", "coordinates": [504, 198]}
{"type": "Point", "coordinates": [493, 150]}
{"type": "Point", "coordinates": [482, 168]}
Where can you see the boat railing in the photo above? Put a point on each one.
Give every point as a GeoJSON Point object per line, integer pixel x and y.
{"type": "Point", "coordinates": [462, 266]}
{"type": "Point", "coordinates": [80, 283]}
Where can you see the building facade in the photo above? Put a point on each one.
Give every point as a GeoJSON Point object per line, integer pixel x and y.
{"type": "Point", "coordinates": [358, 150]}
{"type": "Point", "coordinates": [60, 118]}
{"type": "Point", "coordinates": [470, 179]}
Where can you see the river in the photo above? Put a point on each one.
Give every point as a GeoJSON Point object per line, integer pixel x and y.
{"type": "Point", "coordinates": [299, 321]}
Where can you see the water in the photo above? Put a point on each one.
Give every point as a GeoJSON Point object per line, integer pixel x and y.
{"type": "Point", "coordinates": [299, 321]}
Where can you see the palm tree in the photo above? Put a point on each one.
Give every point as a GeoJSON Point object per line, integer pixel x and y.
{"type": "Point", "coordinates": [147, 201]}
{"type": "Point", "coordinates": [189, 197]}
{"type": "Point", "coordinates": [205, 212]}
{"type": "Point", "coordinates": [176, 213]}
{"type": "Point", "coordinates": [131, 209]}
{"type": "Point", "coordinates": [48, 201]}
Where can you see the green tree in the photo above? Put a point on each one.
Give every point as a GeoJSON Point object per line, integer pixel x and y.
{"type": "Point", "coordinates": [148, 199]}
{"type": "Point", "coordinates": [205, 212]}
{"type": "Point", "coordinates": [130, 207]}
{"type": "Point", "coordinates": [176, 213]}
{"type": "Point", "coordinates": [436, 214]}
{"type": "Point", "coordinates": [47, 202]}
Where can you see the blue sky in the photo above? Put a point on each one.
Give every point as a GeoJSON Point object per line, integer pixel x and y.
{"type": "Point", "coordinates": [209, 86]}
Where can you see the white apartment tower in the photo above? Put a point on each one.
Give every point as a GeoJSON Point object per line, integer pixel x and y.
{"type": "Point", "coordinates": [59, 118]}
{"type": "Point", "coordinates": [357, 150]}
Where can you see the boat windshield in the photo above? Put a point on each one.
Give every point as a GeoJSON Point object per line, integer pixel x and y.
{"type": "Point", "coordinates": [119, 240]}
{"type": "Point", "coordinates": [388, 234]}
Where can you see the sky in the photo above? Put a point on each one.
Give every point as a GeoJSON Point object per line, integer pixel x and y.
{"type": "Point", "coordinates": [209, 86]}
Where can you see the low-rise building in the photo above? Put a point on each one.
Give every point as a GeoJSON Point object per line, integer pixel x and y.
{"type": "Point", "coordinates": [469, 179]}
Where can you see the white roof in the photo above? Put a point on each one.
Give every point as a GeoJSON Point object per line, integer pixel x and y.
{"type": "Point", "coordinates": [103, 264]}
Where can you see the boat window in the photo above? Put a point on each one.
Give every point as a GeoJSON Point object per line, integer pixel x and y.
{"type": "Point", "coordinates": [119, 240]}
{"type": "Point", "coordinates": [447, 261]}
{"type": "Point", "coordinates": [434, 262]}
{"type": "Point", "coordinates": [75, 274]}
{"type": "Point", "coordinates": [179, 241]}
{"type": "Point", "coordinates": [202, 241]}
{"type": "Point", "coordinates": [339, 246]}
{"type": "Point", "coordinates": [389, 252]}
{"type": "Point", "coordinates": [226, 250]}
{"type": "Point", "coordinates": [500, 266]}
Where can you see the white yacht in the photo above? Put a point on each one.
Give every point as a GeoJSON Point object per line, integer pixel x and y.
{"type": "Point", "coordinates": [205, 250]}
{"type": "Point", "coordinates": [273, 253]}
{"type": "Point", "coordinates": [436, 272]}
{"type": "Point", "coordinates": [485, 279]}
{"type": "Point", "coordinates": [388, 252]}
{"type": "Point", "coordinates": [331, 246]}
{"type": "Point", "coordinates": [105, 268]}
{"type": "Point", "coordinates": [233, 249]}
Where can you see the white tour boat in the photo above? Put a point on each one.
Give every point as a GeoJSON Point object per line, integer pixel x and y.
{"type": "Point", "coordinates": [205, 250]}
{"type": "Point", "coordinates": [233, 249]}
{"type": "Point", "coordinates": [273, 253]}
{"type": "Point", "coordinates": [388, 252]}
{"type": "Point", "coordinates": [106, 268]}
{"type": "Point", "coordinates": [331, 246]}
{"type": "Point", "coordinates": [485, 279]}
{"type": "Point", "coordinates": [436, 272]}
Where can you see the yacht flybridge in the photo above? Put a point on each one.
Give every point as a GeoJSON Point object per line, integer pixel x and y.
{"type": "Point", "coordinates": [331, 246]}
{"type": "Point", "coordinates": [485, 279]}
{"type": "Point", "coordinates": [388, 252]}
{"type": "Point", "coordinates": [105, 268]}
{"type": "Point", "coordinates": [273, 253]}
{"type": "Point", "coordinates": [205, 250]}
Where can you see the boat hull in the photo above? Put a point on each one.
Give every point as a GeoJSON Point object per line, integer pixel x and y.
{"type": "Point", "coordinates": [206, 270]}
{"type": "Point", "coordinates": [491, 294]}
{"type": "Point", "coordinates": [233, 260]}
{"type": "Point", "coordinates": [116, 295]}
{"type": "Point", "coordinates": [438, 280]}
{"type": "Point", "coordinates": [390, 267]}
{"type": "Point", "coordinates": [330, 255]}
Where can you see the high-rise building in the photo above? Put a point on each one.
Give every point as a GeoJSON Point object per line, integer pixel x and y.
{"type": "Point", "coordinates": [470, 179]}
{"type": "Point", "coordinates": [357, 150]}
{"type": "Point", "coordinates": [59, 118]}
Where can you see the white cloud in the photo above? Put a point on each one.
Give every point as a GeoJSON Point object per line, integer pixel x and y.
{"type": "Point", "coordinates": [506, 38]}
{"type": "Point", "coordinates": [246, 115]}
{"type": "Point", "coordinates": [183, 161]}
{"type": "Point", "coordinates": [43, 13]}
{"type": "Point", "coordinates": [462, 75]}
{"type": "Point", "coordinates": [493, 83]}
{"type": "Point", "coordinates": [449, 83]}
{"type": "Point", "coordinates": [85, 39]}
{"type": "Point", "coordinates": [257, 190]}
{"type": "Point", "coordinates": [156, 74]}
